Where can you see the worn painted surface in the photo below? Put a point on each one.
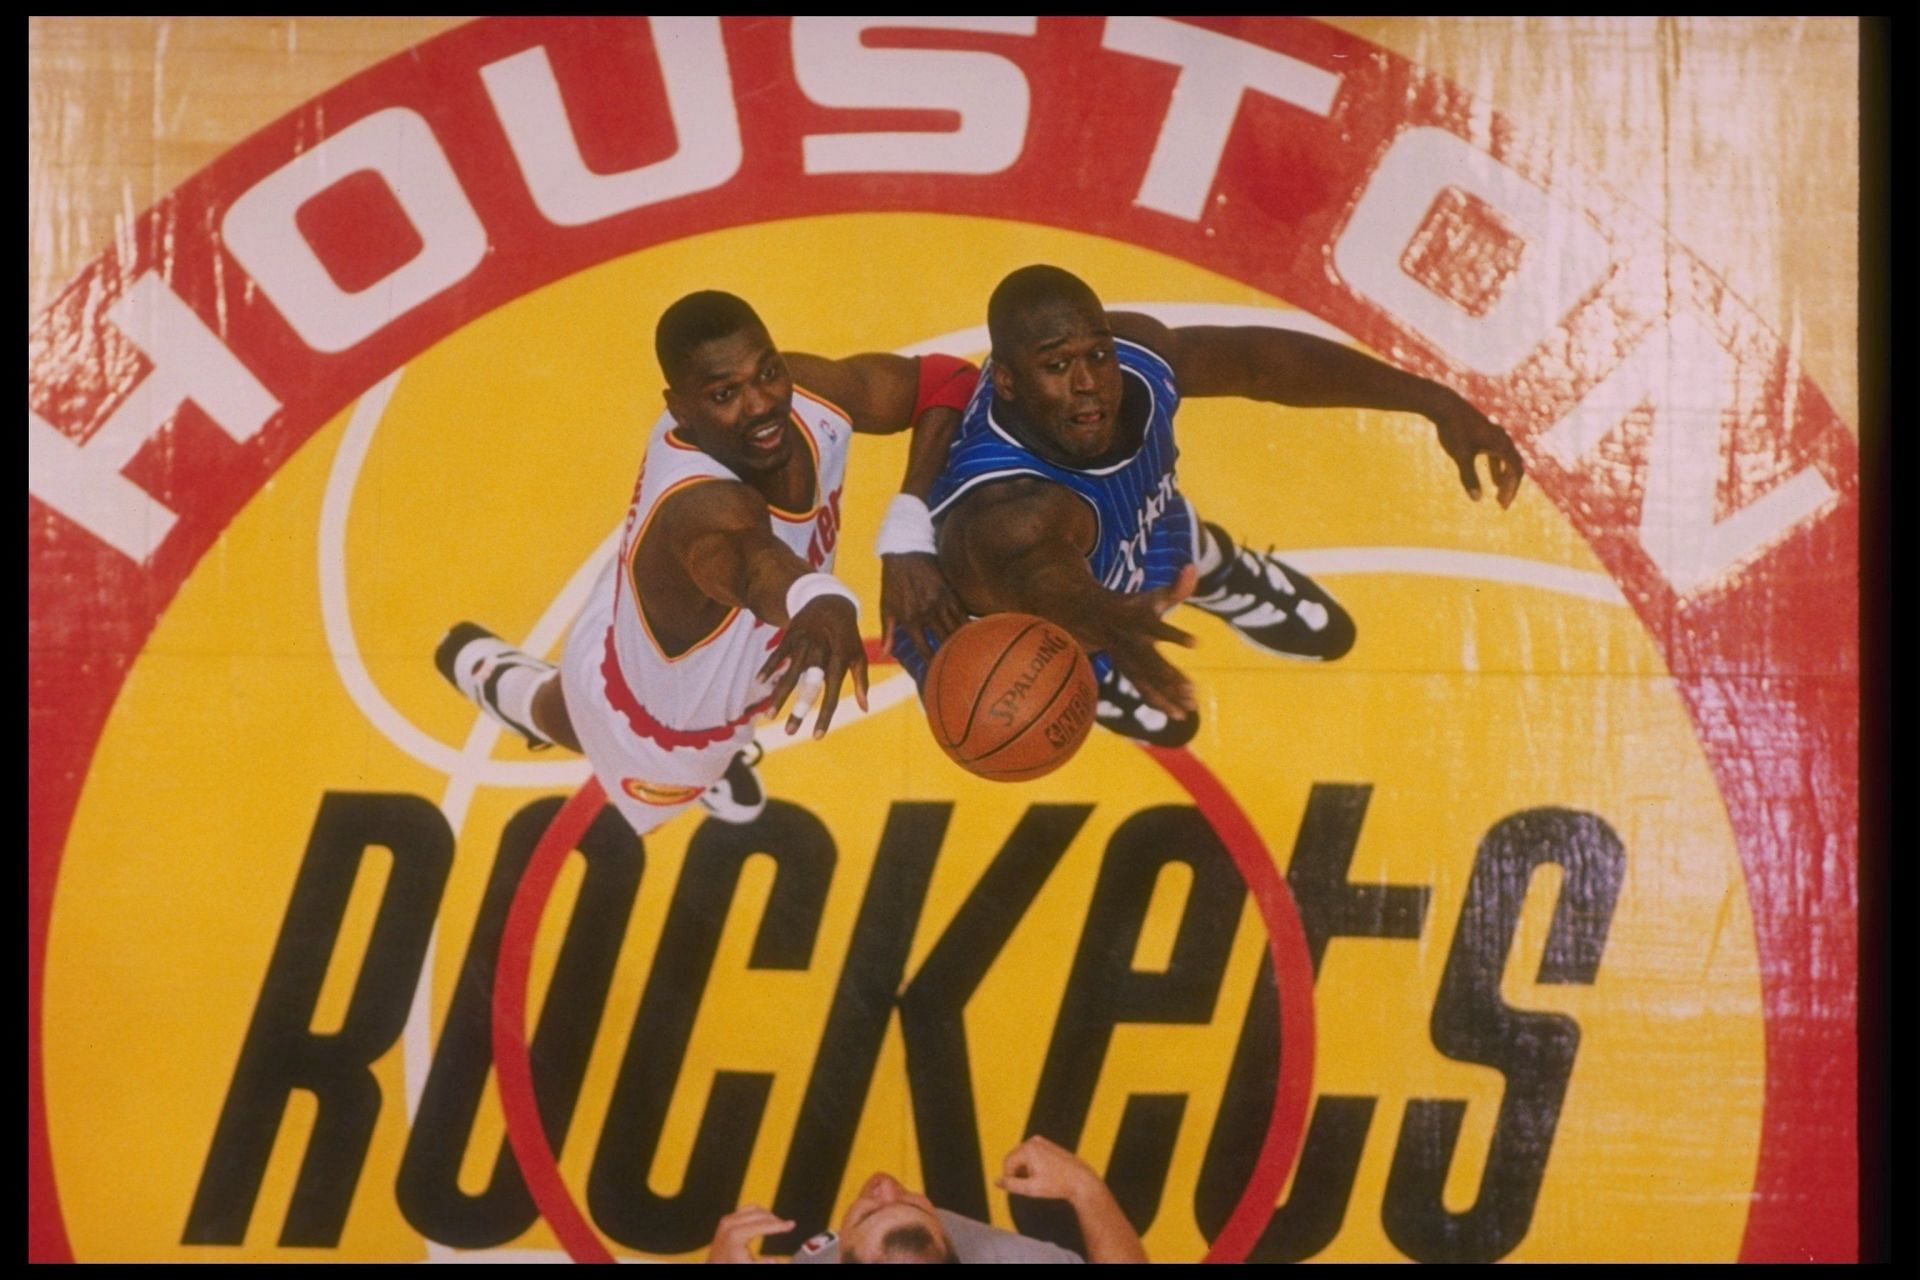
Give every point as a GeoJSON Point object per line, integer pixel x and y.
{"type": "Point", "coordinates": [1557, 868]}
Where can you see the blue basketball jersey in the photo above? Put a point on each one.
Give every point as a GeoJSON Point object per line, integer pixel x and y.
{"type": "Point", "coordinates": [1145, 529]}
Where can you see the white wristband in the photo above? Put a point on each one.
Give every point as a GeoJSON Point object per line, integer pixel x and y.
{"type": "Point", "coordinates": [906, 528]}
{"type": "Point", "coordinates": [809, 587]}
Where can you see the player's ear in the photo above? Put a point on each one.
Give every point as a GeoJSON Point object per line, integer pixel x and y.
{"type": "Point", "coordinates": [1002, 381]}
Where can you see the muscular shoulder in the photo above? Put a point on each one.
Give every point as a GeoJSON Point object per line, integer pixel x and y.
{"type": "Point", "coordinates": [1145, 331]}
{"type": "Point", "coordinates": [998, 536]}
{"type": "Point", "coordinates": [711, 506]}
{"type": "Point", "coordinates": [1011, 514]}
{"type": "Point", "coordinates": [817, 373]}
{"type": "Point", "coordinates": [875, 391]}
{"type": "Point", "coordinates": [1171, 347]}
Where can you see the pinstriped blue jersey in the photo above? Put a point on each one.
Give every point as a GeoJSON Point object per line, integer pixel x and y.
{"type": "Point", "coordinates": [1144, 528]}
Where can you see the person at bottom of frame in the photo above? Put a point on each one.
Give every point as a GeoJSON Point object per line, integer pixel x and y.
{"type": "Point", "coordinates": [888, 1223]}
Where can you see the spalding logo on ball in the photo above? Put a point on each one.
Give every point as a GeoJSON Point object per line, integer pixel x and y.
{"type": "Point", "coordinates": [1010, 697]}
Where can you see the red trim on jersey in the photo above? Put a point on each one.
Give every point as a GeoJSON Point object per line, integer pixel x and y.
{"type": "Point", "coordinates": [620, 695]}
{"type": "Point", "coordinates": [633, 553]}
{"type": "Point", "coordinates": [819, 487]}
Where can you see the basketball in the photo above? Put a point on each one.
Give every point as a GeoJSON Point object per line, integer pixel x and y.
{"type": "Point", "coordinates": [1010, 697]}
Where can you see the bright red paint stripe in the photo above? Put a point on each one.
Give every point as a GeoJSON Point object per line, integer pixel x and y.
{"type": "Point", "coordinates": [524, 1130]}
{"type": "Point", "coordinates": [1293, 985]}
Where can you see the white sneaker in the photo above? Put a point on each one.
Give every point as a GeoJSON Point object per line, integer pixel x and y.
{"type": "Point", "coordinates": [473, 659]}
{"type": "Point", "coordinates": [1123, 710]}
{"type": "Point", "coordinates": [738, 796]}
{"type": "Point", "coordinates": [1273, 605]}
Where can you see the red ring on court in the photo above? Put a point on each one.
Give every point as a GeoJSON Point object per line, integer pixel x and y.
{"type": "Point", "coordinates": [525, 1133]}
{"type": "Point", "coordinates": [1292, 988]}
{"type": "Point", "coordinates": [1286, 947]}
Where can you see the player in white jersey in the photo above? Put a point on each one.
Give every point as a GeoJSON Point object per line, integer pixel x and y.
{"type": "Point", "coordinates": [721, 602]}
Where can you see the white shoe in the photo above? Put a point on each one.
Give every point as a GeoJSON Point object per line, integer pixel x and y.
{"type": "Point", "coordinates": [738, 796]}
{"type": "Point", "coordinates": [1123, 710]}
{"type": "Point", "coordinates": [1273, 605]}
{"type": "Point", "coordinates": [473, 659]}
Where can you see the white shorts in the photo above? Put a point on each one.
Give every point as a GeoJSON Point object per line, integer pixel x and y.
{"type": "Point", "coordinates": [648, 782]}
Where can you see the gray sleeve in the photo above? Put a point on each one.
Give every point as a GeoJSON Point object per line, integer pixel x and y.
{"type": "Point", "coordinates": [978, 1242]}
{"type": "Point", "coordinates": [824, 1247]}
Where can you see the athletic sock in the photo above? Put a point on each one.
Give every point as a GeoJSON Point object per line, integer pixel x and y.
{"type": "Point", "coordinates": [514, 687]}
{"type": "Point", "coordinates": [503, 680]}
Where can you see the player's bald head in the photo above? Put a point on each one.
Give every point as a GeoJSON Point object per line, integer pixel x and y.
{"type": "Point", "coordinates": [695, 320]}
{"type": "Point", "coordinates": [1029, 295]}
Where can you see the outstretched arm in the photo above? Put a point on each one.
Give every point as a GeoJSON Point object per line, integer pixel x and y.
{"type": "Point", "coordinates": [718, 532]}
{"type": "Point", "coordinates": [1047, 1171]}
{"type": "Point", "coordinates": [883, 394]}
{"type": "Point", "coordinates": [1020, 546]}
{"type": "Point", "coordinates": [1282, 366]}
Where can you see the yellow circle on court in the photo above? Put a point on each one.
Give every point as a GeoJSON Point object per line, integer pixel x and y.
{"type": "Point", "coordinates": [1494, 674]}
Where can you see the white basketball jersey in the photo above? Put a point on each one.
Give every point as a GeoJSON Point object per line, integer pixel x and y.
{"type": "Point", "coordinates": [709, 692]}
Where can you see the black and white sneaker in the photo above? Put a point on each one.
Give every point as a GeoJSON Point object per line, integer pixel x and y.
{"type": "Point", "coordinates": [1123, 710]}
{"type": "Point", "coordinates": [737, 796]}
{"type": "Point", "coordinates": [474, 660]}
{"type": "Point", "coordinates": [1273, 606]}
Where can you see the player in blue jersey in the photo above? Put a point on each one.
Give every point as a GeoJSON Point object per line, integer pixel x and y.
{"type": "Point", "coordinates": [1058, 497]}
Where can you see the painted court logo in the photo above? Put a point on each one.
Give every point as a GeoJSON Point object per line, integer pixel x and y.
{"type": "Point", "coordinates": [1426, 953]}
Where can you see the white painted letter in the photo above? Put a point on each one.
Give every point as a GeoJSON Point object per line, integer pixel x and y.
{"type": "Point", "coordinates": [1215, 70]}
{"type": "Point", "coordinates": [398, 147]}
{"type": "Point", "coordinates": [1688, 380]}
{"type": "Point", "coordinates": [1565, 258]}
{"type": "Point", "coordinates": [82, 481]}
{"type": "Point", "coordinates": [989, 92]}
{"type": "Point", "coordinates": [693, 67]}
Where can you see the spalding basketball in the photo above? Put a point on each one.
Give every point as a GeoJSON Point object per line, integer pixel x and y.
{"type": "Point", "coordinates": [1010, 697]}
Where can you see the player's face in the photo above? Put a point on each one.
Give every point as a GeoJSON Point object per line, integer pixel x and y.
{"type": "Point", "coordinates": [1065, 379]}
{"type": "Point", "coordinates": [882, 1207]}
{"type": "Point", "coordinates": [736, 401]}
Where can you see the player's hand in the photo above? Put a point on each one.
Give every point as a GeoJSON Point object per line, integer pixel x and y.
{"type": "Point", "coordinates": [821, 647]}
{"type": "Point", "coordinates": [914, 595]}
{"type": "Point", "coordinates": [1133, 626]}
{"type": "Point", "coordinates": [1467, 434]}
{"type": "Point", "coordinates": [738, 1230]}
{"type": "Point", "coordinates": [1045, 1170]}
